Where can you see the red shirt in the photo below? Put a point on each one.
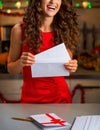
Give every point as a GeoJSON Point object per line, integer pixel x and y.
{"type": "Point", "coordinates": [46, 89]}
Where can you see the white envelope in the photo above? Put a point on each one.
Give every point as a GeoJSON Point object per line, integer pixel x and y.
{"type": "Point", "coordinates": [51, 62]}
{"type": "Point", "coordinates": [50, 121]}
{"type": "Point", "coordinates": [91, 122]}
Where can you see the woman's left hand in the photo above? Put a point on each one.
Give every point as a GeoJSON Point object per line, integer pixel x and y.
{"type": "Point", "coordinates": [72, 65]}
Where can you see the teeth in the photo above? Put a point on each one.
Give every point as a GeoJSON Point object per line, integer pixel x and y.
{"type": "Point", "coordinates": [51, 7]}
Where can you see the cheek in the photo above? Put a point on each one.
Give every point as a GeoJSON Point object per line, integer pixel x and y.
{"type": "Point", "coordinates": [59, 5]}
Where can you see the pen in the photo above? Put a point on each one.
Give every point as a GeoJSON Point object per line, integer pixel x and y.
{"type": "Point", "coordinates": [22, 119]}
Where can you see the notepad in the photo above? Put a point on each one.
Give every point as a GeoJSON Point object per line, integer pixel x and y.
{"type": "Point", "coordinates": [50, 121]}
{"type": "Point", "coordinates": [91, 122]}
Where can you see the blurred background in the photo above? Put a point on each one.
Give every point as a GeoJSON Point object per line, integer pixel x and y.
{"type": "Point", "coordinates": [86, 79]}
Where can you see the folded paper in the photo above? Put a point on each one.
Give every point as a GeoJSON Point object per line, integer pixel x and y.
{"type": "Point", "coordinates": [51, 62]}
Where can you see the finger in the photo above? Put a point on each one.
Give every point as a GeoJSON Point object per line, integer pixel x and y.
{"type": "Point", "coordinates": [71, 67]}
{"type": "Point", "coordinates": [27, 58]}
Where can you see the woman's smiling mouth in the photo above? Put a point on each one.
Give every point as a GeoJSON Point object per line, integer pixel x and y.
{"type": "Point", "coordinates": [50, 7]}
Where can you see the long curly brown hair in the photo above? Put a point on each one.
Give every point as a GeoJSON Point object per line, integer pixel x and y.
{"type": "Point", "coordinates": [65, 25]}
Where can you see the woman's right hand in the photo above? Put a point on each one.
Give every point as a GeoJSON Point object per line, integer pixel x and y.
{"type": "Point", "coordinates": [27, 59]}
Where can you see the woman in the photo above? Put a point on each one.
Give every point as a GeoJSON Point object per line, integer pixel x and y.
{"type": "Point", "coordinates": [46, 23]}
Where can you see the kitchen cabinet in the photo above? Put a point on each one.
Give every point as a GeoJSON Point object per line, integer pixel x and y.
{"type": "Point", "coordinates": [11, 85]}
